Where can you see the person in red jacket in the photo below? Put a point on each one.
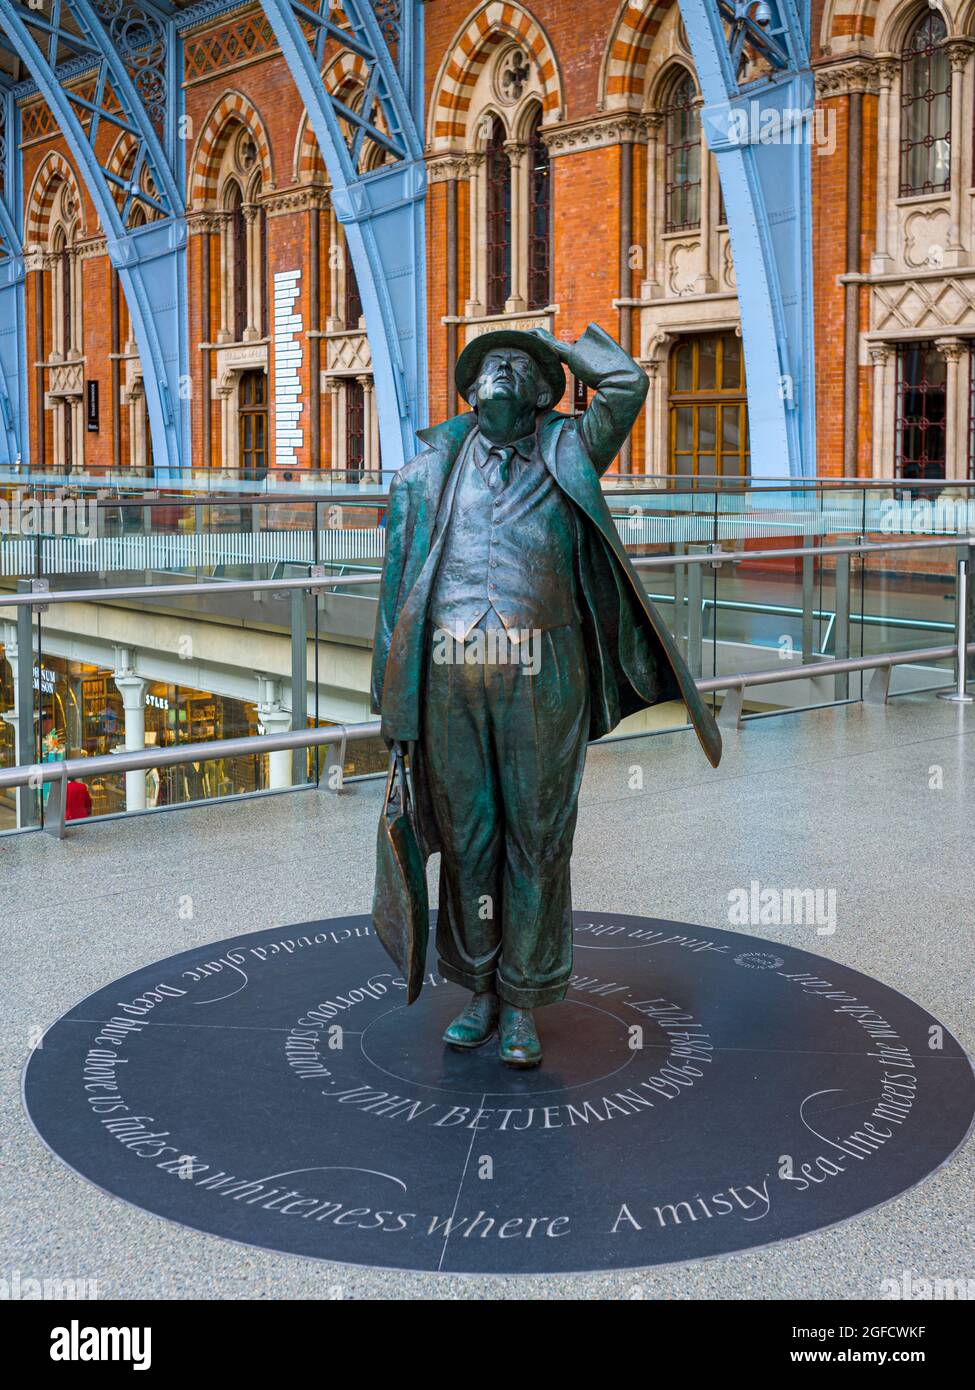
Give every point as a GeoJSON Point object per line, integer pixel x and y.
{"type": "Point", "coordinates": [77, 797]}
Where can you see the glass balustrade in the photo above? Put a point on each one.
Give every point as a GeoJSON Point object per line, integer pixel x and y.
{"type": "Point", "coordinates": [107, 674]}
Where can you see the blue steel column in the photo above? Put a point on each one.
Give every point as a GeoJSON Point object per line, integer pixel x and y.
{"type": "Point", "coordinates": [767, 185]}
{"type": "Point", "coordinates": [381, 212]}
{"type": "Point", "coordinates": [13, 330]}
{"type": "Point", "coordinates": [151, 260]}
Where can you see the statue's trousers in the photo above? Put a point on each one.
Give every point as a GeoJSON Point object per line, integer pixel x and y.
{"type": "Point", "coordinates": [505, 748]}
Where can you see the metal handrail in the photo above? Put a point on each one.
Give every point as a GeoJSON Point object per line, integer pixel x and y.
{"type": "Point", "coordinates": [743, 679]}
{"type": "Point", "coordinates": [716, 555]}
{"type": "Point", "coordinates": [139, 760]}
{"type": "Point", "coordinates": [42, 597]}
{"type": "Point", "coordinates": [135, 761]}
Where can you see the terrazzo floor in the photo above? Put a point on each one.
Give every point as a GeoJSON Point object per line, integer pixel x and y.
{"type": "Point", "coordinates": [877, 804]}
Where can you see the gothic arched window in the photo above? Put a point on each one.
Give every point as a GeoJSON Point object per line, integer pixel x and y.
{"type": "Point", "coordinates": [63, 333]}
{"type": "Point", "coordinates": [682, 135]}
{"type": "Point", "coordinates": [353, 299]}
{"type": "Point", "coordinates": [925, 133]}
{"type": "Point", "coordinates": [498, 221]}
{"type": "Point", "coordinates": [539, 218]}
{"type": "Point", "coordinates": [238, 260]}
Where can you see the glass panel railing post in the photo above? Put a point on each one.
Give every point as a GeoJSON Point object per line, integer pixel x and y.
{"type": "Point", "coordinates": [841, 631]}
{"type": "Point", "coordinates": [695, 614]}
{"type": "Point", "coordinates": [969, 554]}
{"type": "Point", "coordinates": [808, 598]}
{"type": "Point", "coordinates": [255, 541]}
{"type": "Point", "coordinates": [960, 695]}
{"type": "Point", "coordinates": [27, 751]}
{"type": "Point", "coordinates": [680, 594]}
{"type": "Point", "coordinates": [299, 680]}
{"type": "Point", "coordinates": [198, 528]}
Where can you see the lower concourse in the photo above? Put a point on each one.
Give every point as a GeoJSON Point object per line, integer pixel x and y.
{"type": "Point", "coordinates": [799, 799]}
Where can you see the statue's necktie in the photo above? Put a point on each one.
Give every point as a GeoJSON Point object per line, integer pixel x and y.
{"type": "Point", "coordinates": [503, 456]}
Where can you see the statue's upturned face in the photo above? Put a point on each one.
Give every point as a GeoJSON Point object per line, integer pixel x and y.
{"type": "Point", "coordinates": [509, 374]}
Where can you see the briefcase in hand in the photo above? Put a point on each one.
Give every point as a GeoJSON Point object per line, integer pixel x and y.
{"type": "Point", "coordinates": [400, 907]}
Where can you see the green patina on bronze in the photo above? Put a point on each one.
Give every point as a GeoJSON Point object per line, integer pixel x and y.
{"type": "Point", "coordinates": [500, 522]}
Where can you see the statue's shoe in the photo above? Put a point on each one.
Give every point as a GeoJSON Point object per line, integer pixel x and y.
{"type": "Point", "coordinates": [475, 1024]}
{"type": "Point", "coordinates": [519, 1039]}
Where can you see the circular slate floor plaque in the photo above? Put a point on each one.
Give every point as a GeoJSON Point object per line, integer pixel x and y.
{"type": "Point", "coordinates": [702, 1092]}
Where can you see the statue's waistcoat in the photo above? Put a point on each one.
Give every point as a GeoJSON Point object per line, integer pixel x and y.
{"type": "Point", "coordinates": [509, 547]}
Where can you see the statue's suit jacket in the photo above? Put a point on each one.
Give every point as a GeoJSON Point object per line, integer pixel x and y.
{"type": "Point", "coordinates": [633, 661]}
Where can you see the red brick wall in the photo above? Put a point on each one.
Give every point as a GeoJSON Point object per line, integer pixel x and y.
{"type": "Point", "coordinates": [829, 175]}
{"type": "Point", "coordinates": [441, 398]}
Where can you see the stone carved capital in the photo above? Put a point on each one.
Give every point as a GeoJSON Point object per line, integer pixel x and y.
{"type": "Point", "coordinates": [205, 221]}
{"type": "Point", "coordinates": [620, 128]}
{"type": "Point", "coordinates": [888, 67]}
{"type": "Point", "coordinates": [951, 349]}
{"type": "Point", "coordinates": [959, 51]}
{"type": "Point", "coordinates": [441, 168]}
{"type": "Point", "coordinates": [302, 198]}
{"type": "Point", "coordinates": [857, 74]}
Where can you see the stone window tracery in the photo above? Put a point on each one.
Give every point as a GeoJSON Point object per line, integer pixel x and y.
{"type": "Point", "coordinates": [498, 220]}
{"type": "Point", "coordinates": [925, 99]}
{"type": "Point", "coordinates": [682, 135]}
{"type": "Point", "coordinates": [64, 369]}
{"type": "Point", "coordinates": [243, 240]}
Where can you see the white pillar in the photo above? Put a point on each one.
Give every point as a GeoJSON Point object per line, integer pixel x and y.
{"type": "Point", "coordinates": [951, 349]}
{"type": "Point", "coordinates": [377, 457]}
{"type": "Point", "coordinates": [8, 635]}
{"type": "Point", "coordinates": [474, 306]}
{"type": "Point", "coordinates": [518, 157]}
{"type": "Point", "coordinates": [368, 433]}
{"type": "Point", "coordinates": [132, 688]}
{"type": "Point", "coordinates": [274, 720]}
{"type": "Point", "coordinates": [888, 156]}
{"type": "Point", "coordinates": [705, 281]}
{"type": "Point", "coordinates": [958, 54]}
{"type": "Point", "coordinates": [253, 280]}
{"type": "Point", "coordinates": [332, 388]}
{"type": "Point", "coordinates": [883, 456]}
{"type": "Point", "coordinates": [650, 288]}
{"type": "Point", "coordinates": [655, 445]}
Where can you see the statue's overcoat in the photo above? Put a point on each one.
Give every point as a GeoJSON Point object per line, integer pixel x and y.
{"type": "Point", "coordinates": [633, 660]}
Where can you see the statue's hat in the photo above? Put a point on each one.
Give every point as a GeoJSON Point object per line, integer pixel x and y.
{"type": "Point", "coordinates": [469, 362]}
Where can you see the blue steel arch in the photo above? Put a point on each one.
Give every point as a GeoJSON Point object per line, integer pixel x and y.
{"type": "Point", "coordinates": [130, 46]}
{"type": "Point", "coordinates": [382, 211]}
{"type": "Point", "coordinates": [758, 125]}
{"type": "Point", "coordinates": [13, 362]}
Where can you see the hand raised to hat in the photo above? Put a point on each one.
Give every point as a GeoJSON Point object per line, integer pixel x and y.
{"type": "Point", "coordinates": [561, 349]}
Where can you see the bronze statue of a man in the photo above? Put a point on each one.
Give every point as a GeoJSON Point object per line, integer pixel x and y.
{"type": "Point", "coordinates": [513, 630]}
